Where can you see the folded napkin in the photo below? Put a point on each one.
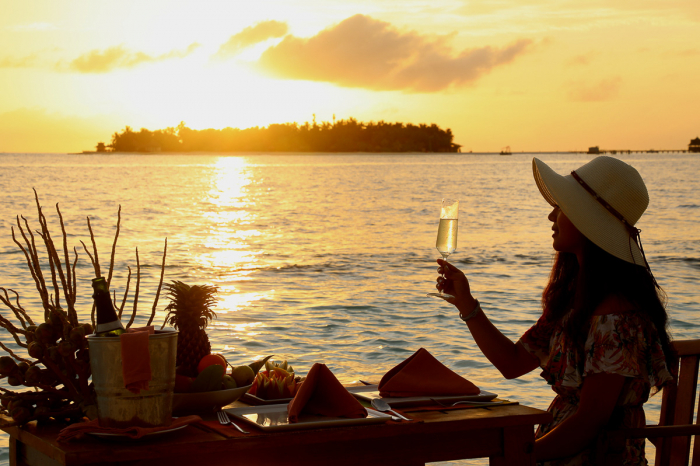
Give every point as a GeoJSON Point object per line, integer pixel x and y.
{"type": "Point", "coordinates": [423, 375]}
{"type": "Point", "coordinates": [321, 393]}
{"type": "Point", "coordinates": [77, 431]}
{"type": "Point", "coordinates": [136, 360]}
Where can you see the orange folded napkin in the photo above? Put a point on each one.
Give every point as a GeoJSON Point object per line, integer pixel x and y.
{"type": "Point", "coordinates": [321, 393]}
{"type": "Point", "coordinates": [77, 431]}
{"type": "Point", "coordinates": [136, 360]}
{"type": "Point", "coordinates": [423, 375]}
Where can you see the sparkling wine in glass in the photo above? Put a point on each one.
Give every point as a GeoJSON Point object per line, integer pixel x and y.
{"type": "Point", "coordinates": [446, 243]}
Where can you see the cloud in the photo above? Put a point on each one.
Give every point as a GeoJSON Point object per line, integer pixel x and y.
{"type": "Point", "coordinates": [689, 53]}
{"type": "Point", "coordinates": [21, 62]}
{"type": "Point", "coordinates": [368, 53]}
{"type": "Point", "coordinates": [583, 59]}
{"type": "Point", "coordinates": [252, 35]}
{"type": "Point", "coordinates": [97, 61]}
{"type": "Point", "coordinates": [606, 89]}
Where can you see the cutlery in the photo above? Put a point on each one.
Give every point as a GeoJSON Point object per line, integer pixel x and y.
{"type": "Point", "coordinates": [481, 403]}
{"type": "Point", "coordinates": [224, 420]}
{"type": "Point", "coordinates": [381, 405]}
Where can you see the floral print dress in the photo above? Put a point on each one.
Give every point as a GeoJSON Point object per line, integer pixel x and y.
{"type": "Point", "coordinates": [622, 343]}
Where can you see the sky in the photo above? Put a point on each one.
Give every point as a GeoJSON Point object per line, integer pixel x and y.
{"type": "Point", "coordinates": [534, 75]}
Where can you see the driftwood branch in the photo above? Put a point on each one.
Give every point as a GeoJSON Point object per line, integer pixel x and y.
{"type": "Point", "coordinates": [136, 289]}
{"type": "Point", "coordinates": [9, 351]}
{"type": "Point", "coordinates": [54, 260]}
{"type": "Point", "coordinates": [114, 246]}
{"type": "Point", "coordinates": [160, 283]}
{"type": "Point", "coordinates": [126, 292]}
{"type": "Point", "coordinates": [95, 260]}
{"type": "Point", "coordinates": [67, 281]}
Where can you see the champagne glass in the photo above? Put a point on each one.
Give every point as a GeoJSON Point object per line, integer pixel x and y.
{"type": "Point", "coordinates": [446, 243]}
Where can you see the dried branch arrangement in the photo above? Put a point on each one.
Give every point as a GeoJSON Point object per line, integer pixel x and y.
{"type": "Point", "coordinates": [58, 367]}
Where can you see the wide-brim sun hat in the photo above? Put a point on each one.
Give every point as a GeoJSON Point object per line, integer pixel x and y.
{"type": "Point", "coordinates": [604, 199]}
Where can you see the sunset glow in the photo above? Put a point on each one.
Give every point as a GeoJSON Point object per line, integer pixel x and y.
{"type": "Point", "coordinates": [545, 75]}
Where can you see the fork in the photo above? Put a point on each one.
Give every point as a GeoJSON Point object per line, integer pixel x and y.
{"type": "Point", "coordinates": [224, 420]}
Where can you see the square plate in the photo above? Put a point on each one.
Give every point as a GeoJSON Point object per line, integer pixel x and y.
{"type": "Point", "coordinates": [256, 401]}
{"type": "Point", "coordinates": [369, 392]}
{"type": "Point", "coordinates": [274, 417]}
{"type": "Point", "coordinates": [188, 403]}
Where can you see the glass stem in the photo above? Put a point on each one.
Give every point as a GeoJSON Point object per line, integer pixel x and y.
{"type": "Point", "coordinates": [444, 257]}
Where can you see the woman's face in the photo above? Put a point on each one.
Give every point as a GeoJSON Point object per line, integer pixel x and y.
{"type": "Point", "coordinates": [566, 237]}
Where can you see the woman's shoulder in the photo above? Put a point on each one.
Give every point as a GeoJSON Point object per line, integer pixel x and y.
{"type": "Point", "coordinates": [618, 315]}
{"type": "Point", "coordinates": [614, 304]}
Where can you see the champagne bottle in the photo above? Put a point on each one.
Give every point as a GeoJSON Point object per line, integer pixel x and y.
{"type": "Point", "coordinates": [108, 324]}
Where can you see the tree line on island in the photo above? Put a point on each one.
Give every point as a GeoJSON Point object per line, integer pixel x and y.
{"type": "Point", "coordinates": [340, 136]}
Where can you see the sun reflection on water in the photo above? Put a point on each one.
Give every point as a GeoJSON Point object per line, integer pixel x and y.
{"type": "Point", "coordinates": [226, 248]}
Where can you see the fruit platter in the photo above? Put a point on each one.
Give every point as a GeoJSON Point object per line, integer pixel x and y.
{"type": "Point", "coordinates": [213, 388]}
{"type": "Point", "coordinates": [276, 384]}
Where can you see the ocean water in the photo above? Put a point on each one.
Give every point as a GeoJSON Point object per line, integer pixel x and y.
{"type": "Point", "coordinates": [328, 258]}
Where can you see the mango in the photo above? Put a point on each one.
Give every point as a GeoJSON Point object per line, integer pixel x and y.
{"type": "Point", "coordinates": [228, 382]}
{"type": "Point", "coordinates": [243, 375]}
{"type": "Point", "coordinates": [208, 380]}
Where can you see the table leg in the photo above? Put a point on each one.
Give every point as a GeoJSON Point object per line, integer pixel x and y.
{"type": "Point", "coordinates": [518, 447]}
{"type": "Point", "coordinates": [13, 452]}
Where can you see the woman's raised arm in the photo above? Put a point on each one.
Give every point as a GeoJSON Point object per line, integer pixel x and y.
{"type": "Point", "coordinates": [511, 359]}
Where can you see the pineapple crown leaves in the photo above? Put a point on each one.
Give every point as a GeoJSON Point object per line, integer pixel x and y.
{"type": "Point", "coordinates": [190, 305]}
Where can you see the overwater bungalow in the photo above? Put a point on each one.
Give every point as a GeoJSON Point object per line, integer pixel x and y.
{"type": "Point", "coordinates": [694, 145]}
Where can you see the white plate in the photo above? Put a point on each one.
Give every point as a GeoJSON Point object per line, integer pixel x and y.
{"type": "Point", "coordinates": [274, 417]}
{"type": "Point", "coordinates": [254, 400]}
{"type": "Point", "coordinates": [369, 392]}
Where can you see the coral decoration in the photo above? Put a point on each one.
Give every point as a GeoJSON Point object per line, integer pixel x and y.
{"type": "Point", "coordinates": [58, 368]}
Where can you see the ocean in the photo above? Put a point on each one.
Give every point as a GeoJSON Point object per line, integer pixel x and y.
{"type": "Point", "coordinates": [328, 257]}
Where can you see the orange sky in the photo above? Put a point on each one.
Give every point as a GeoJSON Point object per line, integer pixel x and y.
{"type": "Point", "coordinates": [533, 75]}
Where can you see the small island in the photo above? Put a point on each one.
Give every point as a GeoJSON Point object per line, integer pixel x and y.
{"type": "Point", "coordinates": [340, 136]}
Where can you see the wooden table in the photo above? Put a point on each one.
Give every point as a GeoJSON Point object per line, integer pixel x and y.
{"type": "Point", "coordinates": [505, 434]}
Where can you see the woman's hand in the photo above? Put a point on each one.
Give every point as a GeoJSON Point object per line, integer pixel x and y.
{"type": "Point", "coordinates": [511, 359]}
{"type": "Point", "coordinates": [455, 283]}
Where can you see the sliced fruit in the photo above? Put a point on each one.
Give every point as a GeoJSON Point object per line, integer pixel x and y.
{"type": "Point", "coordinates": [273, 385]}
{"type": "Point", "coordinates": [257, 365]}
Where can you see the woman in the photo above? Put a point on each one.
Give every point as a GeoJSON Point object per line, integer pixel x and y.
{"type": "Point", "coordinates": [602, 341]}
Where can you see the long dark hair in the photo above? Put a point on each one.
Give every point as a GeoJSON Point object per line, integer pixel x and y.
{"type": "Point", "coordinates": [602, 275]}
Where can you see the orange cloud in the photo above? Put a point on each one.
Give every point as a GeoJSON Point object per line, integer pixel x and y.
{"type": "Point", "coordinates": [368, 53]}
{"type": "Point", "coordinates": [252, 35]}
{"type": "Point", "coordinates": [22, 62]}
{"type": "Point", "coordinates": [97, 61]}
{"type": "Point", "coordinates": [607, 89]}
{"type": "Point", "coordinates": [582, 60]}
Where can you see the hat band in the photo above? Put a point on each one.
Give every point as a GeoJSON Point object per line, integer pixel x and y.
{"type": "Point", "coordinates": [633, 231]}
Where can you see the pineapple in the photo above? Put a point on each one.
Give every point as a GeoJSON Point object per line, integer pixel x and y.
{"type": "Point", "coordinates": [189, 312]}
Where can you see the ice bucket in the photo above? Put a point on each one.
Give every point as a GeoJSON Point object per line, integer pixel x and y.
{"type": "Point", "coordinates": [117, 406]}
